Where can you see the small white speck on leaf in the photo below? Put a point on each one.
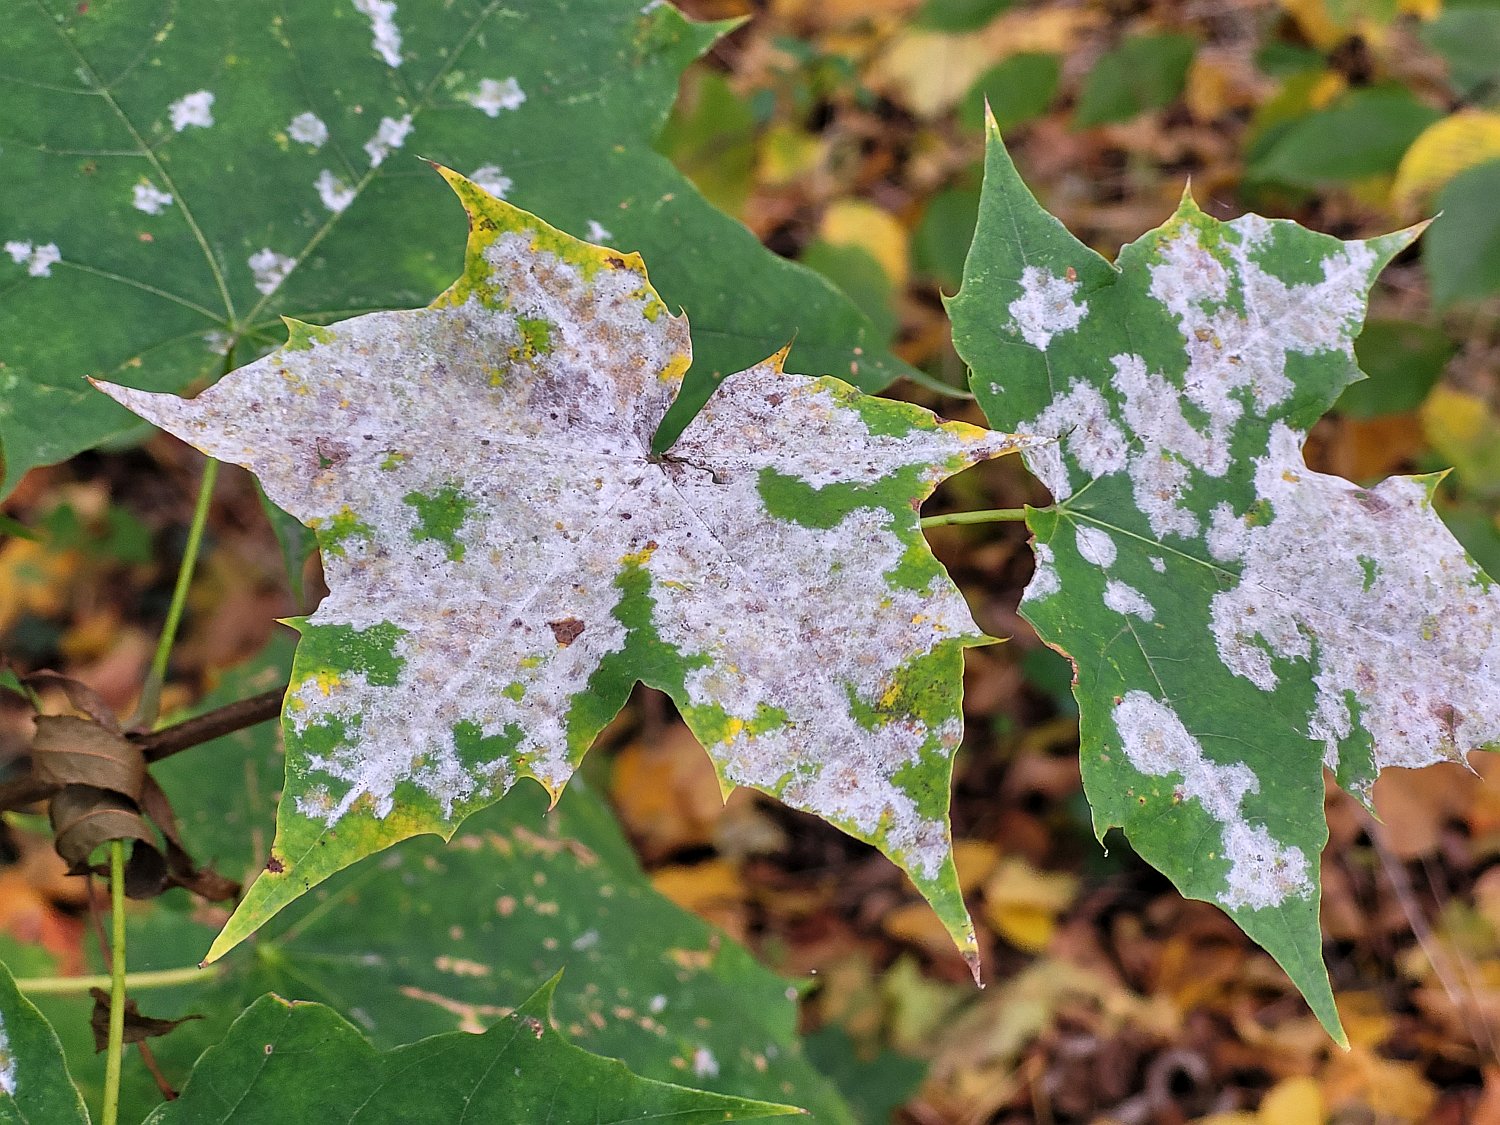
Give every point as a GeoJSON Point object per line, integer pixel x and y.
{"type": "Point", "coordinates": [149, 198]}
{"type": "Point", "coordinates": [598, 232]}
{"type": "Point", "coordinates": [489, 177]}
{"type": "Point", "coordinates": [390, 135]}
{"type": "Point", "coordinates": [193, 110]}
{"type": "Point", "coordinates": [386, 36]}
{"type": "Point", "coordinates": [1047, 307]}
{"type": "Point", "coordinates": [494, 95]}
{"type": "Point", "coordinates": [335, 194]}
{"type": "Point", "coordinates": [704, 1063]}
{"type": "Point", "coordinates": [308, 129]}
{"type": "Point", "coordinates": [1096, 547]}
{"type": "Point", "coordinates": [1125, 599]}
{"type": "Point", "coordinates": [270, 269]}
{"type": "Point", "coordinates": [38, 260]}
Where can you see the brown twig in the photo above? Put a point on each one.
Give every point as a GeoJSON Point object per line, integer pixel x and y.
{"type": "Point", "coordinates": [211, 725]}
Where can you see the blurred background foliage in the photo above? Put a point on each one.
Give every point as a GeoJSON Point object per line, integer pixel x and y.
{"type": "Point", "coordinates": [847, 134]}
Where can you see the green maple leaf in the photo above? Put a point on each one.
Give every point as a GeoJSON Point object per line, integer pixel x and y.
{"type": "Point", "coordinates": [305, 1062]}
{"type": "Point", "coordinates": [179, 175]}
{"type": "Point", "coordinates": [1237, 622]}
{"type": "Point", "coordinates": [506, 558]}
{"type": "Point", "coordinates": [34, 1081]}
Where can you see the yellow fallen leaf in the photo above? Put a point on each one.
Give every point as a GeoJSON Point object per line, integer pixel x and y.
{"type": "Point", "coordinates": [787, 154]}
{"type": "Point", "coordinates": [1292, 1101]}
{"type": "Point", "coordinates": [1465, 432]}
{"type": "Point", "coordinates": [856, 222]}
{"type": "Point", "coordinates": [702, 887]}
{"type": "Point", "coordinates": [1022, 903]}
{"type": "Point", "coordinates": [975, 859]}
{"type": "Point", "coordinates": [1443, 150]}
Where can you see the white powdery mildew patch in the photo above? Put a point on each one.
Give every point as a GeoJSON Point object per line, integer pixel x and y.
{"type": "Point", "coordinates": [1080, 419]}
{"type": "Point", "coordinates": [308, 129]}
{"type": "Point", "coordinates": [335, 194]}
{"type": "Point", "coordinates": [1125, 599]}
{"type": "Point", "coordinates": [193, 110]}
{"type": "Point", "coordinates": [390, 135]}
{"type": "Point", "coordinates": [494, 181]}
{"type": "Point", "coordinates": [598, 232]}
{"type": "Point", "coordinates": [1262, 872]}
{"type": "Point", "coordinates": [494, 95]}
{"type": "Point", "coordinates": [1373, 591]}
{"type": "Point", "coordinates": [38, 260]}
{"type": "Point", "coordinates": [1158, 564]}
{"type": "Point", "coordinates": [386, 36]}
{"type": "Point", "coordinates": [1229, 355]}
{"type": "Point", "coordinates": [149, 198]}
{"type": "Point", "coordinates": [269, 269]}
{"type": "Point", "coordinates": [1096, 547]}
{"type": "Point", "coordinates": [7, 1063]}
{"type": "Point", "coordinates": [1044, 580]}
{"type": "Point", "coordinates": [1047, 307]}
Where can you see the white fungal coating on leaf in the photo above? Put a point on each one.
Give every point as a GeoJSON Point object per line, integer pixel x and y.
{"type": "Point", "coordinates": [504, 553]}
{"type": "Point", "coordinates": [1080, 418]}
{"type": "Point", "coordinates": [38, 260]}
{"type": "Point", "coordinates": [1044, 580]}
{"type": "Point", "coordinates": [193, 110]}
{"type": "Point", "coordinates": [492, 180]}
{"type": "Point", "coordinates": [1096, 546]}
{"type": "Point", "coordinates": [385, 35]}
{"type": "Point", "coordinates": [147, 197]}
{"type": "Point", "coordinates": [1262, 872]}
{"type": "Point", "coordinates": [1370, 590]}
{"type": "Point", "coordinates": [308, 129]}
{"type": "Point", "coordinates": [1125, 599]}
{"type": "Point", "coordinates": [270, 269]}
{"type": "Point", "coordinates": [7, 1063]}
{"type": "Point", "coordinates": [598, 232]}
{"type": "Point", "coordinates": [494, 95]}
{"type": "Point", "coordinates": [1047, 307]}
{"type": "Point", "coordinates": [389, 135]}
{"type": "Point", "coordinates": [335, 194]}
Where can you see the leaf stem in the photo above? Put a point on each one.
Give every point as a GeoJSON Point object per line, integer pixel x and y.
{"type": "Point", "coordinates": [135, 982]}
{"type": "Point", "coordinates": [987, 515]}
{"type": "Point", "coordinates": [151, 692]}
{"type": "Point", "coordinates": [210, 725]}
{"type": "Point", "coordinates": [116, 1048]}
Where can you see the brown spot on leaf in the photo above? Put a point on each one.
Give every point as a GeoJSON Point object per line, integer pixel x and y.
{"type": "Point", "coordinates": [533, 1025]}
{"type": "Point", "coordinates": [566, 631]}
{"type": "Point", "coordinates": [275, 866]}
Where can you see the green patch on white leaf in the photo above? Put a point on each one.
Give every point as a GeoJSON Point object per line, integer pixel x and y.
{"type": "Point", "coordinates": [1236, 620]}
{"type": "Point", "coordinates": [497, 590]}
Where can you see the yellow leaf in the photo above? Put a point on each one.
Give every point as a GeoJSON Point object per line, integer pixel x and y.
{"type": "Point", "coordinates": [975, 859]}
{"type": "Point", "coordinates": [787, 154]}
{"type": "Point", "coordinates": [1466, 433]}
{"type": "Point", "coordinates": [1292, 1101]}
{"type": "Point", "coordinates": [1022, 903]}
{"type": "Point", "coordinates": [1445, 149]}
{"type": "Point", "coordinates": [855, 222]}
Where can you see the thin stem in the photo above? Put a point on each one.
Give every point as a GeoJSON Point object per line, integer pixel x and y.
{"type": "Point", "coordinates": [210, 725]}
{"type": "Point", "coordinates": [988, 515]}
{"type": "Point", "coordinates": [116, 1048]}
{"type": "Point", "coordinates": [155, 978]}
{"type": "Point", "coordinates": [151, 693]}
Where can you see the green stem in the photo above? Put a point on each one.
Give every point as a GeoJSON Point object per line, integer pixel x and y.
{"type": "Point", "coordinates": [988, 515]}
{"type": "Point", "coordinates": [116, 1048]}
{"type": "Point", "coordinates": [151, 692]}
{"type": "Point", "coordinates": [134, 982]}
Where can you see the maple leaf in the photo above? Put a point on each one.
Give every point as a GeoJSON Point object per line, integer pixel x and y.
{"type": "Point", "coordinates": [506, 558]}
{"type": "Point", "coordinates": [1237, 622]}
